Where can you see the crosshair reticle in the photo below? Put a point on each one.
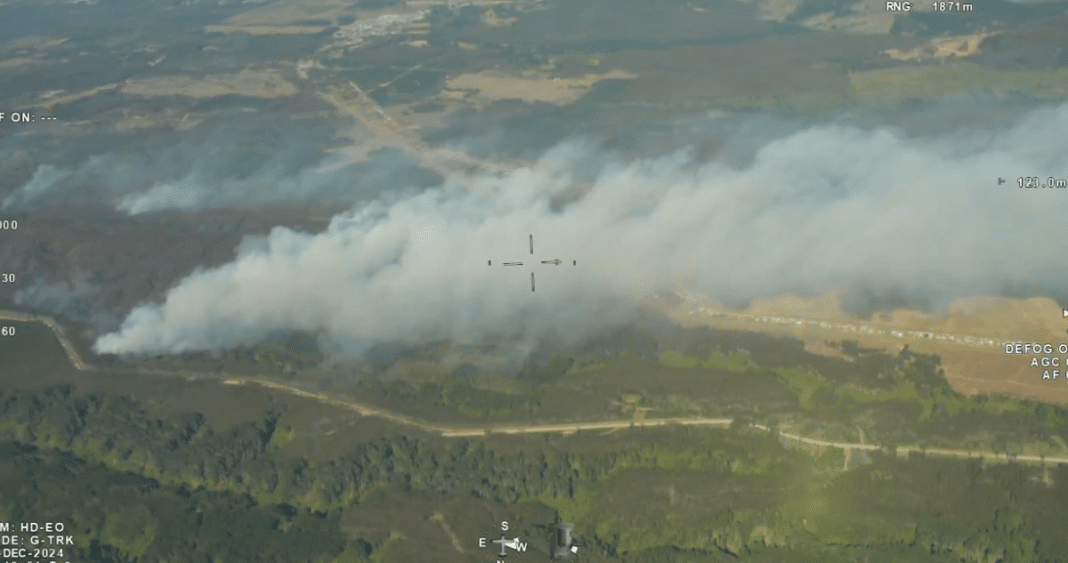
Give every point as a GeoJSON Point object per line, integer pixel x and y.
{"type": "Point", "coordinates": [553, 262]}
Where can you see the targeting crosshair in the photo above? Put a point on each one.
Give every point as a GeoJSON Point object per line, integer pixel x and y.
{"type": "Point", "coordinates": [553, 262]}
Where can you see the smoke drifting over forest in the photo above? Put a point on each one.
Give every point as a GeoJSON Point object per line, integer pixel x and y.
{"type": "Point", "coordinates": [235, 163]}
{"type": "Point", "coordinates": [827, 207]}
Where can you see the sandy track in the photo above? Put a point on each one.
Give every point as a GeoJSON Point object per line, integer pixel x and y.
{"type": "Point", "coordinates": [568, 428]}
{"type": "Point", "coordinates": [477, 431]}
{"type": "Point", "coordinates": [61, 335]}
{"type": "Point", "coordinates": [387, 131]}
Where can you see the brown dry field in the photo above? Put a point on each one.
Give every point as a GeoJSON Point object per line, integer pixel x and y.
{"type": "Point", "coordinates": [494, 86]}
{"type": "Point", "coordinates": [971, 368]}
{"type": "Point", "coordinates": [258, 84]}
{"type": "Point", "coordinates": [879, 23]}
{"type": "Point", "coordinates": [942, 48]}
{"type": "Point", "coordinates": [282, 14]}
{"type": "Point", "coordinates": [265, 29]}
{"type": "Point", "coordinates": [59, 97]}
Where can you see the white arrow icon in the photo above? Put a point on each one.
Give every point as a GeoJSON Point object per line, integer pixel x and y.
{"type": "Point", "coordinates": [512, 543]}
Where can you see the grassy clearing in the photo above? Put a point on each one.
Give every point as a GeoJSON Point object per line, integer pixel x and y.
{"type": "Point", "coordinates": [925, 82]}
{"type": "Point", "coordinates": [643, 509]}
{"type": "Point", "coordinates": [578, 508]}
{"type": "Point", "coordinates": [588, 368]}
{"type": "Point", "coordinates": [905, 392]}
{"type": "Point", "coordinates": [739, 362]}
{"type": "Point", "coordinates": [804, 382]}
{"type": "Point", "coordinates": [662, 458]}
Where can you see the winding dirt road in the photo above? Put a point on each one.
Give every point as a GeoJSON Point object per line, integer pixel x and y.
{"type": "Point", "coordinates": [565, 428]}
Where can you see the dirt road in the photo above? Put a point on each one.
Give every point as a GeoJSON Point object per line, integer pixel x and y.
{"type": "Point", "coordinates": [476, 431]}
{"type": "Point", "coordinates": [386, 131]}
{"type": "Point", "coordinates": [568, 428]}
{"type": "Point", "coordinates": [61, 335]}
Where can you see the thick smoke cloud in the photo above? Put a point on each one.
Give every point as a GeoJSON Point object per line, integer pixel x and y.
{"type": "Point", "coordinates": [71, 300]}
{"type": "Point", "coordinates": [60, 298]}
{"type": "Point", "coordinates": [829, 207]}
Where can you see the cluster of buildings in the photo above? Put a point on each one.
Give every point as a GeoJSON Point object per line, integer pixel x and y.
{"type": "Point", "coordinates": [359, 31]}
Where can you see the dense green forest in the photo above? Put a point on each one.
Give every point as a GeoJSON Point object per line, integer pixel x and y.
{"type": "Point", "coordinates": [142, 488]}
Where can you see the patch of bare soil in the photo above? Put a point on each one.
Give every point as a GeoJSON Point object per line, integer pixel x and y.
{"type": "Point", "coordinates": [252, 83]}
{"type": "Point", "coordinates": [970, 337]}
{"type": "Point", "coordinates": [973, 372]}
{"type": "Point", "coordinates": [942, 48]}
{"type": "Point", "coordinates": [492, 87]}
{"type": "Point", "coordinates": [265, 29]}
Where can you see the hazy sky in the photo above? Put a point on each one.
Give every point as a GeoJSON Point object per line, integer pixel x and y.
{"type": "Point", "coordinates": [827, 207]}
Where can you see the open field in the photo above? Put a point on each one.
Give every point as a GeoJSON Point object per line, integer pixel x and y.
{"type": "Point", "coordinates": [388, 131]}
{"type": "Point", "coordinates": [264, 29]}
{"type": "Point", "coordinates": [930, 82]}
{"type": "Point", "coordinates": [970, 338]}
{"type": "Point", "coordinates": [283, 18]}
{"type": "Point", "coordinates": [877, 23]}
{"type": "Point", "coordinates": [257, 84]}
{"type": "Point", "coordinates": [493, 87]}
{"type": "Point", "coordinates": [942, 48]}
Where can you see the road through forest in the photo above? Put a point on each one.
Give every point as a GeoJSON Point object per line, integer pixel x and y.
{"type": "Point", "coordinates": [484, 430]}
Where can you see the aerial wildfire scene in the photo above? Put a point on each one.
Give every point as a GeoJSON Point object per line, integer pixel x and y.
{"type": "Point", "coordinates": [491, 280]}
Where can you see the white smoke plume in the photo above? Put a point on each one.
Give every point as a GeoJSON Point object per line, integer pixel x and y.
{"type": "Point", "coordinates": [227, 165]}
{"type": "Point", "coordinates": [828, 207]}
{"type": "Point", "coordinates": [71, 299]}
